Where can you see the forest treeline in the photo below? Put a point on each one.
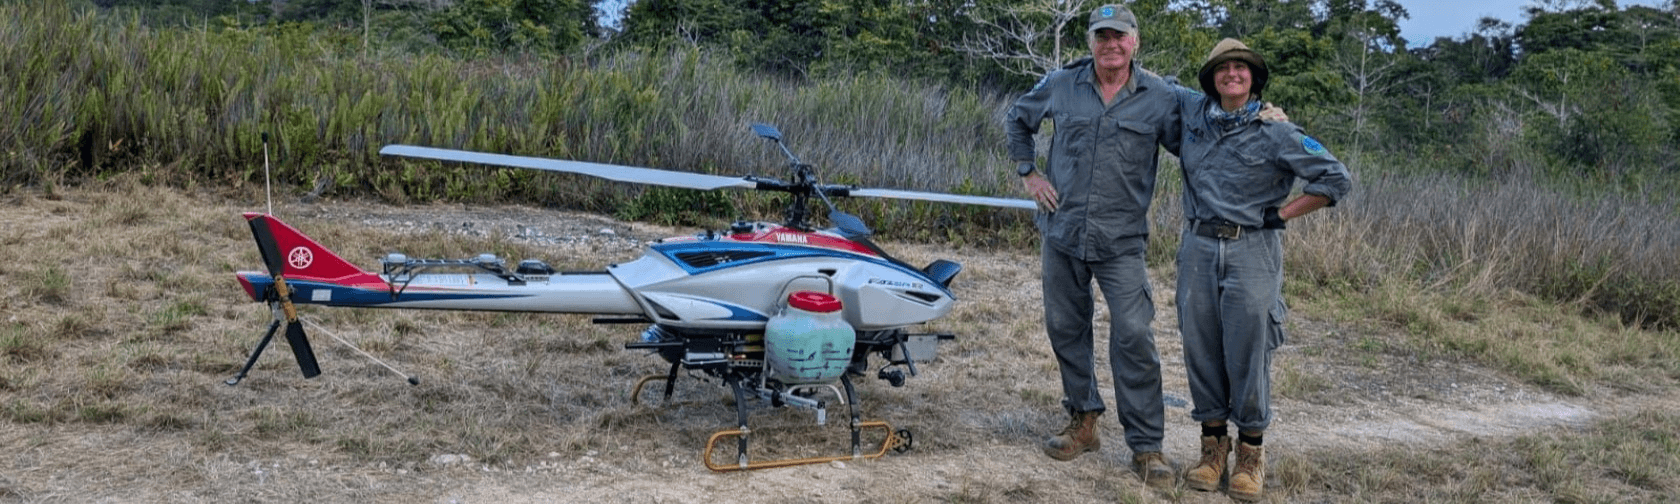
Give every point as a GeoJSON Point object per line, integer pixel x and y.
{"type": "Point", "coordinates": [1579, 86]}
{"type": "Point", "coordinates": [1535, 158]}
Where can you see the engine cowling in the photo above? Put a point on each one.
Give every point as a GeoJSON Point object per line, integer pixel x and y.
{"type": "Point", "coordinates": [739, 281]}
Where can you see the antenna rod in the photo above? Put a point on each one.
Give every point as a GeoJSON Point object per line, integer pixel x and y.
{"type": "Point", "coordinates": [268, 185]}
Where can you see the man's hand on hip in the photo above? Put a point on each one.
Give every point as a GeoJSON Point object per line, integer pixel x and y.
{"type": "Point", "coordinates": [1041, 191]}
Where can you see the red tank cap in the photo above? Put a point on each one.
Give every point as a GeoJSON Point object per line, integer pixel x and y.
{"type": "Point", "coordinates": [813, 301]}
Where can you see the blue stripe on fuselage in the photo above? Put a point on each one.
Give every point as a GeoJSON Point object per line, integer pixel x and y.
{"type": "Point", "coordinates": [303, 292]}
{"type": "Point", "coordinates": [776, 253]}
{"type": "Point", "coordinates": [741, 314]}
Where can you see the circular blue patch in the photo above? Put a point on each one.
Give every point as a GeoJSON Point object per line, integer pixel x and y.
{"type": "Point", "coordinates": [1312, 146]}
{"type": "Point", "coordinates": [1107, 11]}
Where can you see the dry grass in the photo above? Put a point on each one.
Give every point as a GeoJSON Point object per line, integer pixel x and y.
{"type": "Point", "coordinates": [1536, 283]}
{"type": "Point", "coordinates": [113, 350]}
{"type": "Point", "coordinates": [1611, 253]}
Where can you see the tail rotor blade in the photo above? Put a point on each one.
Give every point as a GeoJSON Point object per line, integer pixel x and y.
{"type": "Point", "coordinates": [294, 327]}
{"type": "Point", "coordinates": [301, 349]}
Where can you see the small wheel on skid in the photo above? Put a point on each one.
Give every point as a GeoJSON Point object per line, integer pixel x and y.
{"type": "Point", "coordinates": [904, 441]}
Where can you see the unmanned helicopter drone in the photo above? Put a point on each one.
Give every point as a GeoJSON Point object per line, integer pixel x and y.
{"type": "Point", "coordinates": [779, 312]}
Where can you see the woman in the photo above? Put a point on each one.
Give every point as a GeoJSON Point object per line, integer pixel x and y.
{"type": "Point", "coordinates": [1238, 172]}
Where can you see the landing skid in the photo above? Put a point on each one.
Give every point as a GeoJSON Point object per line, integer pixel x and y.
{"type": "Point", "coordinates": [899, 441]}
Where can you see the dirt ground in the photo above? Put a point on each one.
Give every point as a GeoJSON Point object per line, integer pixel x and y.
{"type": "Point", "coordinates": [1368, 400]}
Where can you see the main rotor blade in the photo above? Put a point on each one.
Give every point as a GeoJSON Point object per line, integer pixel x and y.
{"type": "Point", "coordinates": [610, 172]}
{"type": "Point", "coordinates": [946, 198]}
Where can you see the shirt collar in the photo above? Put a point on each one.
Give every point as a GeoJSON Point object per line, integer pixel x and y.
{"type": "Point", "coordinates": [1089, 76]}
{"type": "Point", "coordinates": [1227, 121]}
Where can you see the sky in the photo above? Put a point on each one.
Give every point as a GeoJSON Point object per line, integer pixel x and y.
{"type": "Point", "coordinates": [1454, 18]}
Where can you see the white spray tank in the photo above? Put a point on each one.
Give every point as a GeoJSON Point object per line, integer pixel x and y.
{"type": "Point", "coordinates": [809, 341]}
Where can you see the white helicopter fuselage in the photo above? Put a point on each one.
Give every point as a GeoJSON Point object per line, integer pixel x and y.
{"type": "Point", "coordinates": [709, 281]}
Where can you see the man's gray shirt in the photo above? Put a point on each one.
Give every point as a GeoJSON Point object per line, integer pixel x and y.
{"type": "Point", "coordinates": [1102, 158]}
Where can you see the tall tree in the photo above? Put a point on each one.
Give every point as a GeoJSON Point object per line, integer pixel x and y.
{"type": "Point", "coordinates": [1029, 38]}
{"type": "Point", "coordinates": [1302, 79]}
{"type": "Point", "coordinates": [1174, 40]}
{"type": "Point", "coordinates": [1243, 19]}
{"type": "Point", "coordinates": [649, 22]}
{"type": "Point", "coordinates": [1585, 28]}
{"type": "Point", "coordinates": [1444, 93]}
{"type": "Point", "coordinates": [1602, 118]}
{"type": "Point", "coordinates": [783, 37]}
{"type": "Point", "coordinates": [1484, 55]}
{"type": "Point", "coordinates": [498, 26]}
{"type": "Point", "coordinates": [1371, 57]}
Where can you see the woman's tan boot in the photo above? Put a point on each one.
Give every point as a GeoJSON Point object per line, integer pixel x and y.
{"type": "Point", "coordinates": [1248, 480]}
{"type": "Point", "coordinates": [1207, 474]}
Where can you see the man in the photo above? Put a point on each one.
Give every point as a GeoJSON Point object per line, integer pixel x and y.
{"type": "Point", "coordinates": [1238, 173]}
{"type": "Point", "coordinates": [1109, 115]}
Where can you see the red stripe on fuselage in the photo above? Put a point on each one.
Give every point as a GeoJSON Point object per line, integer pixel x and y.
{"type": "Point", "coordinates": [779, 235]}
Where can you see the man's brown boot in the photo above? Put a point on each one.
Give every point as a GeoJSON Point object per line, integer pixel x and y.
{"type": "Point", "coordinates": [1248, 480]}
{"type": "Point", "coordinates": [1154, 470]}
{"type": "Point", "coordinates": [1216, 452]}
{"type": "Point", "coordinates": [1079, 437]}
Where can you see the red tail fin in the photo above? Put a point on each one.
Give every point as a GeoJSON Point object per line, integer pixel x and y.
{"type": "Point", "coordinates": [300, 257]}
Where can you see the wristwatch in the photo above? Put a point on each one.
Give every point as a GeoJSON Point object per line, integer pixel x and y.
{"type": "Point", "coordinates": [1025, 168]}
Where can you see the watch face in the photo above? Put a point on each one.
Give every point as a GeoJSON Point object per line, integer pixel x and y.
{"type": "Point", "coordinates": [1024, 169]}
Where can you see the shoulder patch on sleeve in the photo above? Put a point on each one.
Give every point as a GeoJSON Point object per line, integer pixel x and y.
{"type": "Point", "coordinates": [1044, 79]}
{"type": "Point", "coordinates": [1311, 146]}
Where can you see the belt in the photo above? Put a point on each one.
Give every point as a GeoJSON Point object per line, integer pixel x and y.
{"type": "Point", "coordinates": [1221, 229]}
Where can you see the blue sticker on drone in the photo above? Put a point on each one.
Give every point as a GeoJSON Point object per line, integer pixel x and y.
{"type": "Point", "coordinates": [1312, 146]}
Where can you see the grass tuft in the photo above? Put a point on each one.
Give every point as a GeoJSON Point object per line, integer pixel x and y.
{"type": "Point", "coordinates": [102, 412]}
{"type": "Point", "coordinates": [19, 346]}
{"type": "Point", "coordinates": [50, 285]}
{"type": "Point", "coordinates": [275, 423]}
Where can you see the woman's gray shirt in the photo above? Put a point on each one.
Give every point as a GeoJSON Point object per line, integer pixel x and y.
{"type": "Point", "coordinates": [1236, 175]}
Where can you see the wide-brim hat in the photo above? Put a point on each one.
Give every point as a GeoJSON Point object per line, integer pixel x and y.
{"type": "Point", "coordinates": [1233, 49]}
{"type": "Point", "coordinates": [1114, 17]}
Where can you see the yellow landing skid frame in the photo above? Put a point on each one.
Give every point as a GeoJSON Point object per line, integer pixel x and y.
{"type": "Point", "coordinates": [636, 393]}
{"type": "Point", "coordinates": [898, 441]}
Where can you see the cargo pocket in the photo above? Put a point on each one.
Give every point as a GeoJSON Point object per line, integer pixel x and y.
{"type": "Point", "coordinates": [1278, 313]}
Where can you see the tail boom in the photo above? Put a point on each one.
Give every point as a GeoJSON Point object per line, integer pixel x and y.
{"type": "Point", "coordinates": [582, 293]}
{"type": "Point", "coordinates": [316, 275]}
